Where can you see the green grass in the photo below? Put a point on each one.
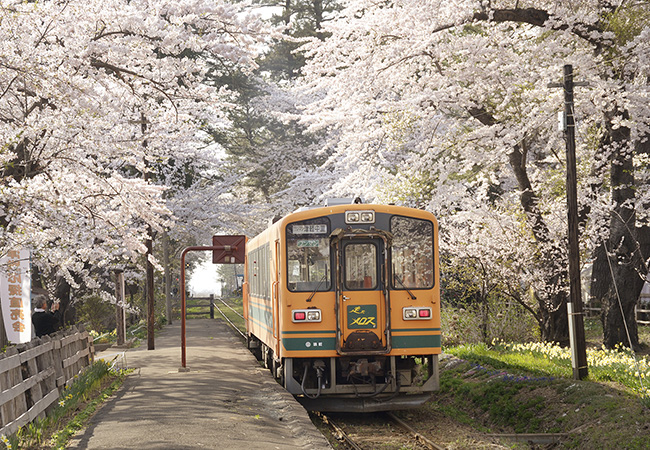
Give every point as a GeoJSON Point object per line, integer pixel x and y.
{"type": "Point", "coordinates": [620, 365]}
{"type": "Point", "coordinates": [60, 438]}
{"type": "Point", "coordinates": [75, 406]}
{"type": "Point", "coordinates": [511, 389]}
{"type": "Point", "coordinates": [527, 362]}
{"type": "Point", "coordinates": [135, 333]}
{"type": "Point", "coordinates": [236, 304]}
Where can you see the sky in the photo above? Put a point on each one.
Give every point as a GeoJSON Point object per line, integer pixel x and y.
{"type": "Point", "coordinates": [203, 280]}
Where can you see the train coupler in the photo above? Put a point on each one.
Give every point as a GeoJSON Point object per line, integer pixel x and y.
{"type": "Point", "coordinates": [364, 368]}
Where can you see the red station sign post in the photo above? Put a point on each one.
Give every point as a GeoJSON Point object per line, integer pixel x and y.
{"type": "Point", "coordinates": [225, 250]}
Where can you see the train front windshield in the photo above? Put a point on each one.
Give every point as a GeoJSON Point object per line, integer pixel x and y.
{"type": "Point", "coordinates": [308, 256]}
{"type": "Point", "coordinates": [412, 253]}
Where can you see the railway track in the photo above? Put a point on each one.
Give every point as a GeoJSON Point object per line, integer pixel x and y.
{"type": "Point", "coordinates": [370, 431]}
{"type": "Point", "coordinates": [370, 435]}
{"type": "Point", "coordinates": [386, 430]}
{"type": "Point", "coordinates": [364, 435]}
{"type": "Point", "coordinates": [225, 316]}
{"type": "Point", "coordinates": [418, 437]}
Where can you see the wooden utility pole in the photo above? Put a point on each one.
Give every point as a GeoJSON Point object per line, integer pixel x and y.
{"type": "Point", "coordinates": [168, 278]}
{"type": "Point", "coordinates": [151, 318]}
{"type": "Point", "coordinates": [574, 305]}
{"type": "Point", "coordinates": [120, 316]}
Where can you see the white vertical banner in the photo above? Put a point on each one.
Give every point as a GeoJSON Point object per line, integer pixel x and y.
{"type": "Point", "coordinates": [15, 294]}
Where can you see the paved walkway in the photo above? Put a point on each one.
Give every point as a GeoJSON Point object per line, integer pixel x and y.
{"type": "Point", "coordinates": [225, 401]}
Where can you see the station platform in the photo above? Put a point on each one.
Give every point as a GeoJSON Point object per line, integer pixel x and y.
{"type": "Point", "coordinates": [225, 401]}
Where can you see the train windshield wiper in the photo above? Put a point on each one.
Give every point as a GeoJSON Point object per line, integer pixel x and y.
{"type": "Point", "coordinates": [317, 287]}
{"type": "Point", "coordinates": [413, 297]}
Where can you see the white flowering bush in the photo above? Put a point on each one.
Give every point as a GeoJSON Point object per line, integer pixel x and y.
{"type": "Point", "coordinates": [619, 365]}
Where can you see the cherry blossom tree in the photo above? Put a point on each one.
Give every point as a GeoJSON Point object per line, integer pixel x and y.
{"type": "Point", "coordinates": [267, 146]}
{"type": "Point", "coordinates": [95, 98]}
{"type": "Point", "coordinates": [446, 105]}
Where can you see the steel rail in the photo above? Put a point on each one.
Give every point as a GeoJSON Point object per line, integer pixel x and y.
{"type": "Point", "coordinates": [418, 437]}
{"type": "Point", "coordinates": [229, 321]}
{"type": "Point", "coordinates": [338, 432]}
{"type": "Point", "coordinates": [231, 308]}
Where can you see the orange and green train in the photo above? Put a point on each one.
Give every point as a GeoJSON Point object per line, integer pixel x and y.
{"type": "Point", "coordinates": [342, 303]}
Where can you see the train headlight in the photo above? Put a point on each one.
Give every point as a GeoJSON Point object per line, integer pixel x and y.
{"type": "Point", "coordinates": [352, 217]}
{"type": "Point", "coordinates": [359, 217]}
{"type": "Point", "coordinates": [313, 316]}
{"type": "Point", "coordinates": [416, 313]}
{"type": "Point", "coordinates": [410, 313]}
{"type": "Point", "coordinates": [306, 315]}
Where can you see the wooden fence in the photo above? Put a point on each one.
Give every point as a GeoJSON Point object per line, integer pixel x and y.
{"type": "Point", "coordinates": [33, 375]}
{"type": "Point", "coordinates": [642, 315]}
{"type": "Point", "coordinates": [200, 306]}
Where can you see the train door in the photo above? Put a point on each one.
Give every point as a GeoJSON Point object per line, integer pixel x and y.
{"type": "Point", "coordinates": [362, 303]}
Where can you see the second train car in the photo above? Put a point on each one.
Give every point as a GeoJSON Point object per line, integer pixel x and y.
{"type": "Point", "coordinates": [342, 304]}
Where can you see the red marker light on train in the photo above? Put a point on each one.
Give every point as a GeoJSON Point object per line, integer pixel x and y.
{"type": "Point", "coordinates": [306, 315]}
{"type": "Point", "coordinates": [416, 313]}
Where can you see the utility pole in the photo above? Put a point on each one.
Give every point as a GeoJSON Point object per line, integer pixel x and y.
{"type": "Point", "coordinates": [574, 304]}
{"type": "Point", "coordinates": [151, 317]}
{"type": "Point", "coordinates": [120, 315]}
{"type": "Point", "coordinates": [168, 278]}
{"type": "Point", "coordinates": [149, 273]}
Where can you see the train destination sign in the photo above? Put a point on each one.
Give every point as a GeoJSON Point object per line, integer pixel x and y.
{"type": "Point", "coordinates": [308, 243]}
{"type": "Point", "coordinates": [315, 228]}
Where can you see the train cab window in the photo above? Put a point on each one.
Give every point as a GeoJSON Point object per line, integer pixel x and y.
{"type": "Point", "coordinates": [308, 256]}
{"type": "Point", "coordinates": [360, 266]}
{"type": "Point", "coordinates": [412, 253]}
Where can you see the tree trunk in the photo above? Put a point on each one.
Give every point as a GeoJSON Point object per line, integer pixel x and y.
{"type": "Point", "coordinates": [643, 234]}
{"type": "Point", "coordinates": [485, 315]}
{"type": "Point", "coordinates": [553, 259]}
{"type": "Point", "coordinates": [623, 250]}
{"type": "Point", "coordinates": [552, 304]}
{"type": "Point", "coordinates": [62, 292]}
{"type": "Point", "coordinates": [601, 277]}
{"type": "Point", "coordinates": [317, 6]}
{"type": "Point", "coordinates": [554, 325]}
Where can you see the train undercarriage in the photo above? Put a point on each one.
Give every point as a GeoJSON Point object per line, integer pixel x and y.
{"type": "Point", "coordinates": [362, 383]}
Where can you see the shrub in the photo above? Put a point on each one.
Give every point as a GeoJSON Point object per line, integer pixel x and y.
{"type": "Point", "coordinates": [475, 323]}
{"type": "Point", "coordinates": [98, 314]}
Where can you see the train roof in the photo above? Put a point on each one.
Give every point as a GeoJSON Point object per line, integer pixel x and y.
{"type": "Point", "coordinates": [338, 206]}
{"type": "Point", "coordinates": [341, 206]}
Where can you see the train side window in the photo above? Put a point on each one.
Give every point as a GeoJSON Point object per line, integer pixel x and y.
{"type": "Point", "coordinates": [308, 256]}
{"type": "Point", "coordinates": [412, 253]}
{"type": "Point", "coordinates": [259, 263]}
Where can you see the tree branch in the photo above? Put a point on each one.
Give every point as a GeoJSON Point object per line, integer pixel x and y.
{"type": "Point", "coordinates": [537, 17]}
